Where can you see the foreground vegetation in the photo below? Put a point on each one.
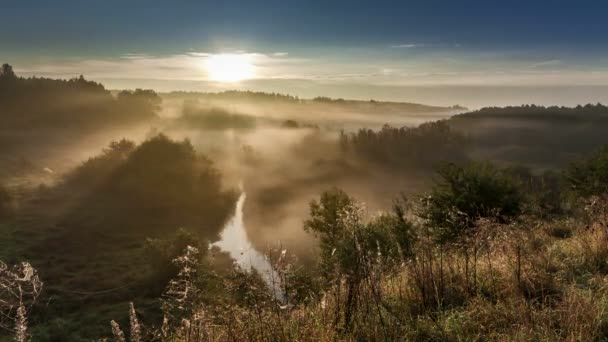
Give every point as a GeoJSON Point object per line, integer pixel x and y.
{"type": "Point", "coordinates": [475, 260]}
{"type": "Point", "coordinates": [485, 255]}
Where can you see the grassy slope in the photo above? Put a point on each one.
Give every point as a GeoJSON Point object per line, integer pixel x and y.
{"type": "Point", "coordinates": [535, 280]}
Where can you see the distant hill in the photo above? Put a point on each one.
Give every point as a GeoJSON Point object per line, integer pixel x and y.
{"type": "Point", "coordinates": [251, 97]}
{"type": "Point", "coordinates": [544, 136]}
{"type": "Point", "coordinates": [32, 103]}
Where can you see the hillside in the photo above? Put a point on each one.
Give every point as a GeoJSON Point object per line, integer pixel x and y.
{"type": "Point", "coordinates": [539, 136]}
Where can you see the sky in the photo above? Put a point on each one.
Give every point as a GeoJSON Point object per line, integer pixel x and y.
{"type": "Point", "coordinates": [469, 52]}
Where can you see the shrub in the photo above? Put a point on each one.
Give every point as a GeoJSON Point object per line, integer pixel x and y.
{"type": "Point", "coordinates": [462, 195]}
{"type": "Point", "coordinates": [160, 254]}
{"type": "Point", "coordinates": [344, 235]}
{"type": "Point", "coordinates": [543, 192]}
{"type": "Point", "coordinates": [355, 252]}
{"type": "Point", "coordinates": [589, 176]}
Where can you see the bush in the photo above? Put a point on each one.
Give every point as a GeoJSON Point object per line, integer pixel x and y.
{"type": "Point", "coordinates": [345, 237]}
{"type": "Point", "coordinates": [160, 254]}
{"type": "Point", "coordinates": [589, 177]}
{"type": "Point", "coordinates": [462, 195]}
{"type": "Point", "coordinates": [543, 192]}
{"type": "Point", "coordinates": [354, 251]}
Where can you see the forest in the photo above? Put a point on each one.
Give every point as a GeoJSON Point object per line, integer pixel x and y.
{"type": "Point", "coordinates": [358, 220]}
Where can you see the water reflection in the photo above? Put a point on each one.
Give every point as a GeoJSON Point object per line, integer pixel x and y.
{"type": "Point", "coordinates": [234, 240]}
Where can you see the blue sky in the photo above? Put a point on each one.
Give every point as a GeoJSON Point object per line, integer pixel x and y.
{"type": "Point", "coordinates": [331, 45]}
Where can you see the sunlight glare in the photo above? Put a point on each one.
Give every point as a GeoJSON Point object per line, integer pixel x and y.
{"type": "Point", "coordinates": [230, 67]}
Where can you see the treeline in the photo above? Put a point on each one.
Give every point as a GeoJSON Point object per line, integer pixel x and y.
{"type": "Point", "coordinates": [236, 95]}
{"type": "Point", "coordinates": [546, 137]}
{"type": "Point", "coordinates": [387, 106]}
{"type": "Point", "coordinates": [195, 116]}
{"type": "Point", "coordinates": [49, 103]}
{"type": "Point", "coordinates": [407, 147]}
{"type": "Point", "coordinates": [589, 111]}
{"type": "Point", "coordinates": [326, 103]}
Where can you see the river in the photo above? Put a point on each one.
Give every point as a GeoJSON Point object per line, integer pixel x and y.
{"type": "Point", "coordinates": [234, 240]}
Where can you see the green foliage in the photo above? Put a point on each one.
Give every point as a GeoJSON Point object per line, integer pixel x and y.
{"type": "Point", "coordinates": [538, 136]}
{"type": "Point", "coordinates": [302, 285]}
{"type": "Point", "coordinates": [348, 242]}
{"type": "Point", "coordinates": [463, 195]}
{"type": "Point", "coordinates": [589, 176]}
{"type": "Point", "coordinates": [99, 168]}
{"type": "Point", "coordinates": [160, 253]}
{"type": "Point", "coordinates": [7, 73]}
{"type": "Point", "coordinates": [101, 214]}
{"type": "Point", "coordinates": [140, 103]}
{"type": "Point", "coordinates": [161, 182]}
{"type": "Point", "coordinates": [420, 147]}
{"type": "Point", "coordinates": [214, 118]}
{"type": "Point", "coordinates": [248, 289]}
{"type": "Point", "coordinates": [543, 193]}
{"type": "Point", "coordinates": [76, 103]}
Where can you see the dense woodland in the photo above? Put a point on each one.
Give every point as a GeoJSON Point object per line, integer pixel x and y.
{"type": "Point", "coordinates": [38, 102]}
{"type": "Point", "coordinates": [504, 240]}
{"type": "Point", "coordinates": [535, 135]}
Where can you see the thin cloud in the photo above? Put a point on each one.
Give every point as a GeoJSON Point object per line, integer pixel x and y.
{"type": "Point", "coordinates": [405, 46]}
{"type": "Point", "coordinates": [549, 63]}
{"type": "Point", "coordinates": [188, 66]}
{"type": "Point", "coordinates": [135, 56]}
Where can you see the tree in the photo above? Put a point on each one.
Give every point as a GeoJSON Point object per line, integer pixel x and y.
{"type": "Point", "coordinates": [462, 195]}
{"type": "Point", "coordinates": [139, 103]}
{"type": "Point", "coordinates": [407, 147]}
{"type": "Point", "coordinates": [7, 72]}
{"type": "Point", "coordinates": [543, 192]}
{"type": "Point", "coordinates": [355, 251]}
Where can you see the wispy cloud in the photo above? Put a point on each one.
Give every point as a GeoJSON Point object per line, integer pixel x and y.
{"type": "Point", "coordinates": [548, 63]}
{"type": "Point", "coordinates": [189, 66]}
{"type": "Point", "coordinates": [428, 45]}
{"type": "Point", "coordinates": [433, 69]}
{"type": "Point", "coordinates": [135, 56]}
{"type": "Point", "coordinates": [405, 46]}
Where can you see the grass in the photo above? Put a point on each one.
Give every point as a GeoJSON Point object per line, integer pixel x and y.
{"type": "Point", "coordinates": [380, 278]}
{"type": "Point", "coordinates": [522, 282]}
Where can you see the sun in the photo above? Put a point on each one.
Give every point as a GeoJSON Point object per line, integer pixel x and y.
{"type": "Point", "coordinates": [230, 67]}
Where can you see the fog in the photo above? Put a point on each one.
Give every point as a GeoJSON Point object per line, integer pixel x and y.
{"type": "Point", "coordinates": [284, 151]}
{"type": "Point", "coordinates": [283, 167]}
